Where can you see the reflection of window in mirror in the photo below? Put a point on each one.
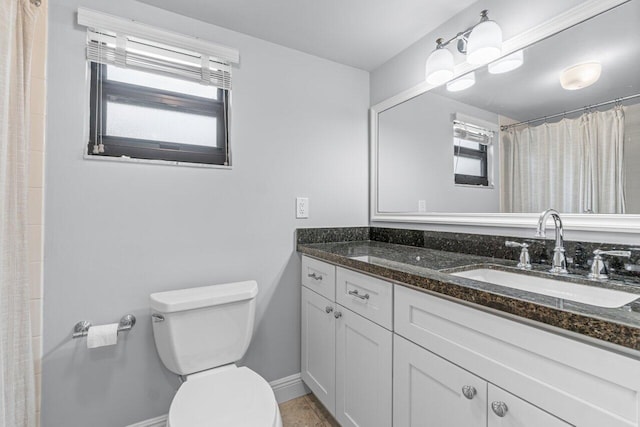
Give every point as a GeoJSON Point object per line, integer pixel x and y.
{"type": "Point", "coordinates": [471, 154]}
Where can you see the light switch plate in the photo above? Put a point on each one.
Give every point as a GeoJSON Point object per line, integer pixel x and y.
{"type": "Point", "coordinates": [302, 207]}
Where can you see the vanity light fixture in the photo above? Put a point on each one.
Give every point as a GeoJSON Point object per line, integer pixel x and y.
{"type": "Point", "coordinates": [508, 63]}
{"type": "Point", "coordinates": [462, 83]}
{"type": "Point", "coordinates": [580, 76]}
{"type": "Point", "coordinates": [482, 43]}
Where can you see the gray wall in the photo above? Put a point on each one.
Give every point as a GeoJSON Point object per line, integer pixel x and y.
{"type": "Point", "coordinates": [415, 162]}
{"type": "Point", "coordinates": [632, 157]}
{"type": "Point", "coordinates": [117, 232]}
{"type": "Point", "coordinates": [406, 69]}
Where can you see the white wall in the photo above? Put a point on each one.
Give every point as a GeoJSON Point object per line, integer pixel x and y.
{"type": "Point", "coordinates": [415, 158]}
{"type": "Point", "coordinates": [117, 232]}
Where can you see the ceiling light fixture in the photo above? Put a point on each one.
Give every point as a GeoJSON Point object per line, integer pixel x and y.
{"type": "Point", "coordinates": [462, 83]}
{"type": "Point", "coordinates": [482, 43]}
{"type": "Point", "coordinates": [580, 76]}
{"type": "Point", "coordinates": [508, 63]}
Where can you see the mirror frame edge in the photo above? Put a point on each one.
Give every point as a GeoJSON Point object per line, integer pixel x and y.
{"type": "Point", "coordinates": [606, 223]}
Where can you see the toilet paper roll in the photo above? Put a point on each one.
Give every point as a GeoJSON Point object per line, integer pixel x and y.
{"type": "Point", "coordinates": [103, 335]}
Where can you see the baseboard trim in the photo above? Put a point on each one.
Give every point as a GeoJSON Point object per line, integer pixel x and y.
{"type": "Point", "coordinates": [288, 388]}
{"type": "Point", "coordinates": [285, 389]}
{"type": "Point", "coordinates": [160, 421]}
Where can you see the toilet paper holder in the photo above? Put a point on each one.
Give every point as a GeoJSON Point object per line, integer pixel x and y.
{"type": "Point", "coordinates": [81, 329]}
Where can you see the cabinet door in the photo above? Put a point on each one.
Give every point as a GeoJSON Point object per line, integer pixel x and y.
{"type": "Point", "coordinates": [363, 371]}
{"type": "Point", "coordinates": [508, 410]}
{"type": "Point", "coordinates": [428, 390]}
{"type": "Point", "coordinates": [318, 365]}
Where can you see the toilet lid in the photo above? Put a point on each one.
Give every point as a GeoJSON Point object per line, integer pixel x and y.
{"type": "Point", "coordinates": [231, 398]}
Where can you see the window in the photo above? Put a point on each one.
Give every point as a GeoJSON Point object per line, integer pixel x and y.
{"type": "Point", "coordinates": [156, 95]}
{"type": "Point", "coordinates": [146, 116]}
{"type": "Point", "coordinates": [471, 153]}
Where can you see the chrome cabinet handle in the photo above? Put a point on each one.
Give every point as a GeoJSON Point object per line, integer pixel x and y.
{"type": "Point", "coordinates": [155, 317]}
{"type": "Point", "coordinates": [337, 315]}
{"type": "Point", "coordinates": [469, 391]}
{"type": "Point", "coordinates": [356, 294]}
{"type": "Point", "coordinates": [499, 408]}
{"type": "Point", "coordinates": [315, 276]}
{"type": "Point", "coordinates": [328, 309]}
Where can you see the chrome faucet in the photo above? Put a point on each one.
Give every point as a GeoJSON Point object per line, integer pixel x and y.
{"type": "Point", "coordinates": [559, 263]}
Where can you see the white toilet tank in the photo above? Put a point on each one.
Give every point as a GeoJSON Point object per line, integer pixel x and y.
{"type": "Point", "coordinates": [203, 327]}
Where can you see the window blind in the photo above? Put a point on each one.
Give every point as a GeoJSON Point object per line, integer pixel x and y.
{"type": "Point", "coordinates": [126, 43]}
{"type": "Point", "coordinates": [472, 132]}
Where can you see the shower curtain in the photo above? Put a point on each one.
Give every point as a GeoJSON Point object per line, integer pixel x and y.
{"type": "Point", "coordinates": [575, 165]}
{"type": "Point", "coordinates": [17, 395]}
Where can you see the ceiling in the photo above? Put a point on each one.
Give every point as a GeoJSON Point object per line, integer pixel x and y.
{"type": "Point", "coordinates": [360, 33]}
{"type": "Point", "coordinates": [534, 90]}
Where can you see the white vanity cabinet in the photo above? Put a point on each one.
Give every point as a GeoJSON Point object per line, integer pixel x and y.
{"type": "Point", "coordinates": [543, 378]}
{"type": "Point", "coordinates": [346, 355]}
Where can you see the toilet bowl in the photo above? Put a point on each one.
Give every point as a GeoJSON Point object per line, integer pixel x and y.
{"type": "Point", "coordinates": [225, 397]}
{"type": "Point", "coordinates": [200, 333]}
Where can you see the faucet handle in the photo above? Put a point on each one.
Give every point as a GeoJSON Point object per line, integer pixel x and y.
{"type": "Point", "coordinates": [624, 254]}
{"type": "Point", "coordinates": [599, 268]}
{"type": "Point", "coordinates": [512, 244]}
{"type": "Point", "coordinates": [525, 261]}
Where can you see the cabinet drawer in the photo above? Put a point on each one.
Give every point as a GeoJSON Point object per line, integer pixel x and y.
{"type": "Point", "coordinates": [365, 295]}
{"type": "Point", "coordinates": [319, 276]}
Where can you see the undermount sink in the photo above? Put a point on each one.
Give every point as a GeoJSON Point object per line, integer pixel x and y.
{"type": "Point", "coordinates": [591, 295]}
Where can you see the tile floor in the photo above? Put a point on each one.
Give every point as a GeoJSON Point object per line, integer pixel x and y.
{"type": "Point", "coordinates": [306, 411]}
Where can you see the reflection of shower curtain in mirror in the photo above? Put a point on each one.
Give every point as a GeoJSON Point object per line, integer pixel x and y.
{"type": "Point", "coordinates": [575, 165]}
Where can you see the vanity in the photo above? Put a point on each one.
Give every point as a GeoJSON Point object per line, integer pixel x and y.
{"type": "Point", "coordinates": [405, 327]}
{"type": "Point", "coordinates": [395, 334]}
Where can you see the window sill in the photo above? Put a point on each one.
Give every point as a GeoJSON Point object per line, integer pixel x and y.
{"type": "Point", "coordinates": [486, 187]}
{"type": "Point", "coordinates": [153, 162]}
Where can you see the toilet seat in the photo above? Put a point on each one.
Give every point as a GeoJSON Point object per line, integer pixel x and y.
{"type": "Point", "coordinates": [229, 397]}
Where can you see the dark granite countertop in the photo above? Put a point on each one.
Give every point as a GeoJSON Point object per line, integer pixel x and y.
{"type": "Point", "coordinates": [428, 269]}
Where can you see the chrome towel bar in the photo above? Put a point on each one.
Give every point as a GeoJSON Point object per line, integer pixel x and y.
{"type": "Point", "coordinates": [81, 329]}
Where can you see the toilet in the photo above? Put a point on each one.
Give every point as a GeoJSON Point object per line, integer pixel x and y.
{"type": "Point", "coordinates": [200, 333]}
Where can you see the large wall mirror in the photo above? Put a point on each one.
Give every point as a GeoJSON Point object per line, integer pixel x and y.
{"type": "Point", "coordinates": [516, 143]}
